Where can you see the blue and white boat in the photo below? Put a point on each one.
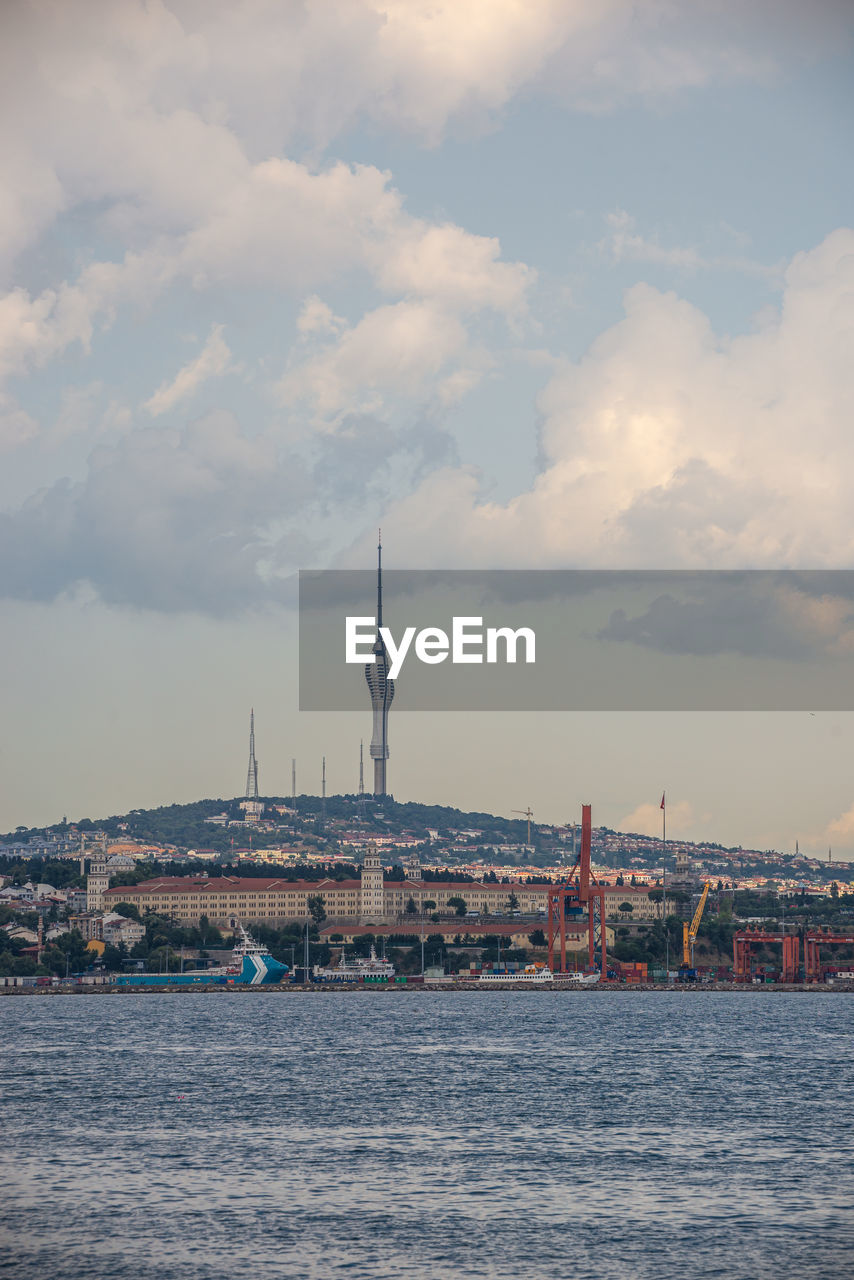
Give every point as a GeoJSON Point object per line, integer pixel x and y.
{"type": "Point", "coordinates": [251, 964]}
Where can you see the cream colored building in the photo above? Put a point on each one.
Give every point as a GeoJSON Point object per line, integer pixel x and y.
{"type": "Point", "coordinates": [373, 899]}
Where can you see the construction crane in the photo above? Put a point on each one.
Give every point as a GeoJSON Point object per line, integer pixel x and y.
{"type": "Point", "coordinates": [526, 813]}
{"type": "Point", "coordinates": [689, 932]}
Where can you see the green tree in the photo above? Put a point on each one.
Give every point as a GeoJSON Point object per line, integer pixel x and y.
{"type": "Point", "coordinates": [126, 909]}
{"type": "Point", "coordinates": [625, 909]}
{"type": "Point", "coordinates": [459, 905]}
{"type": "Point", "coordinates": [411, 908]}
{"type": "Point", "coordinates": [512, 903]}
{"type": "Point", "coordinates": [317, 908]}
{"type": "Point", "coordinates": [537, 938]}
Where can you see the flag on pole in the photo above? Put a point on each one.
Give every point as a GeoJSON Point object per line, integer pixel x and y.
{"type": "Point", "coordinates": [661, 806]}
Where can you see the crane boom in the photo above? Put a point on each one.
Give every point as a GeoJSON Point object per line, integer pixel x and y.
{"type": "Point", "coordinates": [689, 932]}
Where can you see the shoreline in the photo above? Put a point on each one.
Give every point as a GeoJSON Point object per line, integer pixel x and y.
{"type": "Point", "coordinates": [686, 988]}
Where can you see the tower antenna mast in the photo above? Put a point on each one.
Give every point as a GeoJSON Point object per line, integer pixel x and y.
{"type": "Point", "coordinates": [252, 771]}
{"type": "Point", "coordinates": [323, 792]}
{"type": "Point", "coordinates": [381, 688]}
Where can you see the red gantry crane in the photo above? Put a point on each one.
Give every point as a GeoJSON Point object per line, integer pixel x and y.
{"type": "Point", "coordinates": [746, 938]}
{"type": "Point", "coordinates": [812, 939]}
{"type": "Point", "coordinates": [577, 898]}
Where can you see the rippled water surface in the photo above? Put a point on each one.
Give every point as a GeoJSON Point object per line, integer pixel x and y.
{"type": "Point", "coordinates": [449, 1135]}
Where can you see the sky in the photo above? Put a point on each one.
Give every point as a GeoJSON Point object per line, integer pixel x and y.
{"type": "Point", "coordinates": [567, 284]}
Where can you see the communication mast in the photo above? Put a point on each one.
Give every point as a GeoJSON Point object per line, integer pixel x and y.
{"type": "Point", "coordinates": [252, 771]}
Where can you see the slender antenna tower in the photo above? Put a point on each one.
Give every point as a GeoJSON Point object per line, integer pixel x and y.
{"type": "Point", "coordinates": [362, 768]}
{"type": "Point", "coordinates": [252, 771]}
{"type": "Point", "coordinates": [323, 792]}
{"type": "Point", "coordinates": [294, 781]}
{"type": "Point", "coordinates": [381, 688]}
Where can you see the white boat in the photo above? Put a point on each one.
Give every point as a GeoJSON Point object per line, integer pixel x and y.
{"type": "Point", "coordinates": [531, 975]}
{"type": "Point", "coordinates": [357, 970]}
{"type": "Point", "coordinates": [578, 978]}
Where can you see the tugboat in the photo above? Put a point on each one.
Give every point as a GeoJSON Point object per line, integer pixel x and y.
{"type": "Point", "coordinates": [357, 970]}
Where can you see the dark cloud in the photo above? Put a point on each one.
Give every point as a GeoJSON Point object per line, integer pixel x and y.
{"type": "Point", "coordinates": [754, 613]}
{"type": "Point", "coordinates": [167, 520]}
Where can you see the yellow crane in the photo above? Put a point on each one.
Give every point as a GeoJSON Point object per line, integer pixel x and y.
{"type": "Point", "coordinates": [526, 813]}
{"type": "Point", "coordinates": [689, 932]}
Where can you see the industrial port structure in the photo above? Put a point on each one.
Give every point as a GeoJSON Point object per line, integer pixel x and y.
{"type": "Point", "coordinates": [813, 940]}
{"type": "Point", "coordinates": [577, 896]}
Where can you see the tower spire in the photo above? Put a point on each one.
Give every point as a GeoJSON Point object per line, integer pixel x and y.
{"type": "Point", "coordinates": [380, 686]}
{"type": "Point", "coordinates": [379, 577]}
{"type": "Point", "coordinates": [252, 771]}
{"type": "Point", "coordinates": [361, 768]}
{"type": "Point", "coordinates": [323, 791]}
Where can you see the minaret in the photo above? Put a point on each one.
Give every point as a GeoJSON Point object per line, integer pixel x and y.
{"type": "Point", "coordinates": [382, 689]}
{"type": "Point", "coordinates": [252, 772]}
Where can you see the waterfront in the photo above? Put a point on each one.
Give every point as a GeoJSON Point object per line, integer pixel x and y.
{"type": "Point", "coordinates": [474, 1135]}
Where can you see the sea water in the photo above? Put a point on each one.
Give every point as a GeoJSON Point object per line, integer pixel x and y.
{"type": "Point", "coordinates": [455, 1136]}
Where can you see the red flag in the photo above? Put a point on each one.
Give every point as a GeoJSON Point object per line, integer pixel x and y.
{"type": "Point", "coordinates": [661, 806]}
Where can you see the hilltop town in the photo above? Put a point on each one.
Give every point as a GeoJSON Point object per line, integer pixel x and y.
{"type": "Point", "coordinates": [149, 886]}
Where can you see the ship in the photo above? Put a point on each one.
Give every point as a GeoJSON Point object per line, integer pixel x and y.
{"type": "Point", "coordinates": [532, 974]}
{"type": "Point", "coordinates": [372, 968]}
{"type": "Point", "coordinates": [251, 964]}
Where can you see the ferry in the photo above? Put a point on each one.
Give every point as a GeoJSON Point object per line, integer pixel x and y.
{"type": "Point", "coordinates": [531, 974]}
{"type": "Point", "coordinates": [373, 968]}
{"type": "Point", "coordinates": [578, 978]}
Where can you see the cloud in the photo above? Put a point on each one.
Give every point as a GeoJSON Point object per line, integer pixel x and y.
{"type": "Point", "coordinates": [670, 446]}
{"type": "Point", "coordinates": [838, 835]}
{"type": "Point", "coordinates": [148, 113]}
{"type": "Point", "coordinates": [624, 243]}
{"type": "Point", "coordinates": [16, 425]}
{"type": "Point", "coordinates": [316, 317]}
{"type": "Point", "coordinates": [410, 351]}
{"type": "Point", "coordinates": [212, 362]}
{"type": "Point", "coordinates": [645, 820]}
{"type": "Point", "coordinates": [801, 617]}
{"type": "Point", "coordinates": [164, 519]}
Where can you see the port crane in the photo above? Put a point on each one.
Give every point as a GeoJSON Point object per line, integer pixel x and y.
{"type": "Point", "coordinates": [526, 813]}
{"type": "Point", "coordinates": [689, 932]}
{"type": "Point", "coordinates": [577, 897]}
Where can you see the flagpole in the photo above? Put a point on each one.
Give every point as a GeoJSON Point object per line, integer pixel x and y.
{"type": "Point", "coordinates": [664, 883]}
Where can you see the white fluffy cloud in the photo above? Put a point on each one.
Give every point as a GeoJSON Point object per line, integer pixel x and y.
{"type": "Point", "coordinates": [213, 360]}
{"type": "Point", "coordinates": [409, 351]}
{"type": "Point", "coordinates": [671, 445]}
{"type": "Point", "coordinates": [157, 108]}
